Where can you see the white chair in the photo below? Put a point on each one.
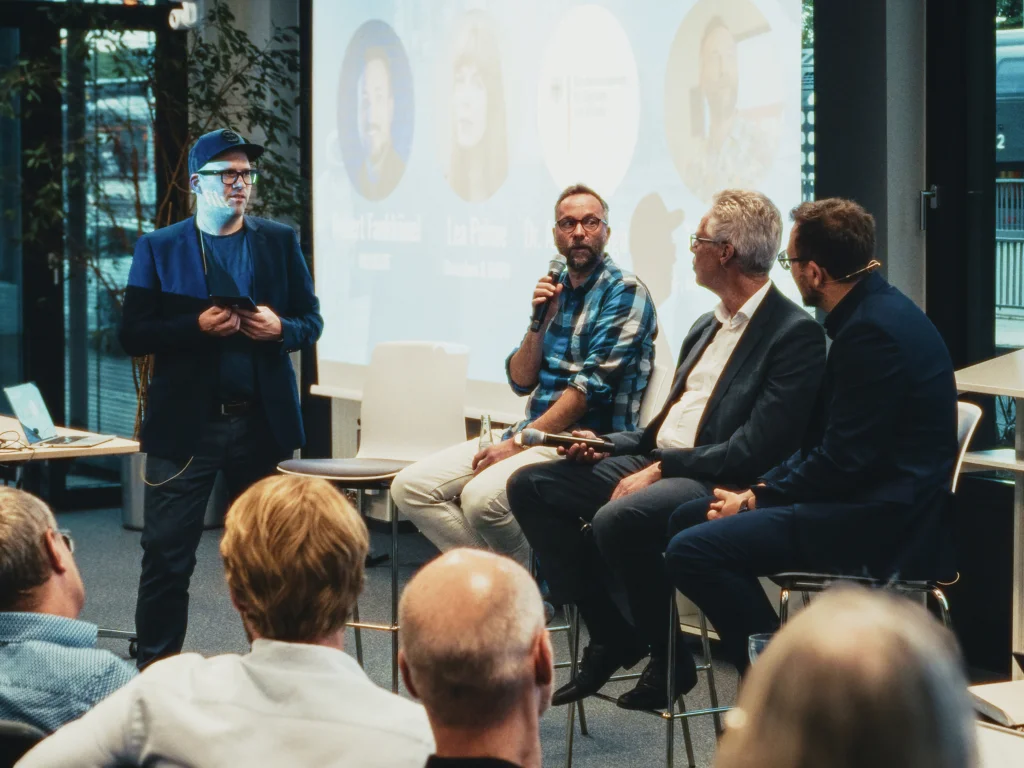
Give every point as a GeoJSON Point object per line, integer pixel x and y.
{"type": "Point", "coordinates": [413, 405]}
{"type": "Point", "coordinates": [656, 394]}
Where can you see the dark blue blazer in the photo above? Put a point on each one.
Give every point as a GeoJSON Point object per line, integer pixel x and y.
{"type": "Point", "coordinates": [167, 291]}
{"type": "Point", "coordinates": [870, 485]}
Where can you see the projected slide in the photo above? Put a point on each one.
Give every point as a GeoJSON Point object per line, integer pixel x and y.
{"type": "Point", "coordinates": [443, 132]}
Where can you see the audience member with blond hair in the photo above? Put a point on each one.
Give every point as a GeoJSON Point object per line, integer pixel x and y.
{"type": "Point", "coordinates": [475, 650]}
{"type": "Point", "coordinates": [50, 669]}
{"type": "Point", "coordinates": [859, 680]}
{"type": "Point", "coordinates": [293, 552]}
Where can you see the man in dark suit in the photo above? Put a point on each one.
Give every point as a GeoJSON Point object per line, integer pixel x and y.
{"type": "Point", "coordinates": [223, 395]}
{"type": "Point", "coordinates": [867, 492]}
{"type": "Point", "coordinates": [737, 407]}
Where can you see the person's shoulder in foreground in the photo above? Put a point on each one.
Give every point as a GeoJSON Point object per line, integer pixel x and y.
{"type": "Point", "coordinates": [294, 551]}
{"type": "Point", "coordinates": [50, 669]}
{"type": "Point", "coordinates": [283, 703]}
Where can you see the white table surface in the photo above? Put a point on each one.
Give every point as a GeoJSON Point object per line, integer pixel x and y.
{"type": "Point", "coordinates": [1000, 747]}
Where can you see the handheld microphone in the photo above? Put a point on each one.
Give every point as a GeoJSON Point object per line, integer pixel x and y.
{"type": "Point", "coordinates": [555, 267]}
{"type": "Point", "coordinates": [532, 437]}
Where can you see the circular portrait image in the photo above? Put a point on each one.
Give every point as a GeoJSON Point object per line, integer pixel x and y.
{"type": "Point", "coordinates": [375, 110]}
{"type": "Point", "coordinates": [723, 102]}
{"type": "Point", "coordinates": [588, 100]}
{"type": "Point", "coordinates": [474, 129]}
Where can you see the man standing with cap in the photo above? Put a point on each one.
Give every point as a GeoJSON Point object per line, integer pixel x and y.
{"type": "Point", "coordinates": [223, 395]}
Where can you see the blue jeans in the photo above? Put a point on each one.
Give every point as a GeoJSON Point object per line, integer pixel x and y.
{"type": "Point", "coordinates": [716, 563]}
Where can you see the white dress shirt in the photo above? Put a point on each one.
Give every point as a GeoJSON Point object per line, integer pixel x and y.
{"type": "Point", "coordinates": [283, 704]}
{"type": "Point", "coordinates": [679, 430]}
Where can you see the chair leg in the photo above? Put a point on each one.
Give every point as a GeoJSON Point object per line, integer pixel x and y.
{"type": "Point", "coordinates": [783, 605]}
{"type": "Point", "coordinates": [393, 515]}
{"type": "Point", "coordinates": [940, 598]}
{"type": "Point", "coordinates": [671, 694]}
{"type": "Point", "coordinates": [574, 644]}
{"type": "Point", "coordinates": [355, 610]}
{"type": "Point", "coordinates": [358, 633]}
{"type": "Point", "coordinates": [684, 723]}
{"type": "Point", "coordinates": [705, 646]}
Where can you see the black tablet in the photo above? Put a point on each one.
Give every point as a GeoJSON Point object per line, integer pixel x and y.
{"type": "Point", "coordinates": [233, 302]}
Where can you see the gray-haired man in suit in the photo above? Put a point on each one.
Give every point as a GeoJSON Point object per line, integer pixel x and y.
{"type": "Point", "coordinates": [739, 404]}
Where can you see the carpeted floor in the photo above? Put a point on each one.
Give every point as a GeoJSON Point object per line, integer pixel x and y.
{"type": "Point", "coordinates": [109, 558]}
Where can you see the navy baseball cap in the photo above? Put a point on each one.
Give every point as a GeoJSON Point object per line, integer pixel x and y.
{"type": "Point", "coordinates": [214, 143]}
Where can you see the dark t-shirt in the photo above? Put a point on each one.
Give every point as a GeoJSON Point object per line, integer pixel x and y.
{"type": "Point", "coordinates": [230, 273]}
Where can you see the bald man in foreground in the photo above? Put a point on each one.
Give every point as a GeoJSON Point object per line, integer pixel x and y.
{"type": "Point", "coordinates": [476, 653]}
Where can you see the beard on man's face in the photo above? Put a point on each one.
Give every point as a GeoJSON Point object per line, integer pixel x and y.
{"type": "Point", "coordinates": [581, 256]}
{"type": "Point", "coordinates": [810, 296]}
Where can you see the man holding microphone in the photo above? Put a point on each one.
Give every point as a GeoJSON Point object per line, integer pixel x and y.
{"type": "Point", "coordinates": [219, 300]}
{"type": "Point", "coordinates": [585, 365]}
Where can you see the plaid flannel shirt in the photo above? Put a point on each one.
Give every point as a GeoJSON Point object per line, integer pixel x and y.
{"type": "Point", "coordinates": [601, 341]}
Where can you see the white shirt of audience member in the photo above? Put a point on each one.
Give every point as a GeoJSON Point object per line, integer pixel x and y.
{"type": "Point", "coordinates": [679, 430]}
{"type": "Point", "coordinates": [283, 704]}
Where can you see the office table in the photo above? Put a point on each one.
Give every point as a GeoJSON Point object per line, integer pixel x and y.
{"type": "Point", "coordinates": [1004, 376]}
{"type": "Point", "coordinates": [115, 447]}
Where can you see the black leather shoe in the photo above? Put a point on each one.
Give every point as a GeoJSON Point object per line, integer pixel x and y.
{"type": "Point", "coordinates": [650, 691]}
{"type": "Point", "coordinates": [599, 663]}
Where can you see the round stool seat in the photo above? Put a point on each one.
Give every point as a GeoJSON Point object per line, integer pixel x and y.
{"type": "Point", "coordinates": [353, 473]}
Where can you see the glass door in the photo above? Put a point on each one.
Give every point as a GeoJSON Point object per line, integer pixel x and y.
{"type": "Point", "coordinates": [10, 227]}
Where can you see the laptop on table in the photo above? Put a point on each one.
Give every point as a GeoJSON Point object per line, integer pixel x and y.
{"type": "Point", "coordinates": [28, 406]}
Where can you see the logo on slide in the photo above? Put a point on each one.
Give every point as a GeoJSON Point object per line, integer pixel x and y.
{"type": "Point", "coordinates": [588, 100]}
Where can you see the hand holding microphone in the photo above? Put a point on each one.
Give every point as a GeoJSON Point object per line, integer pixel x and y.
{"type": "Point", "coordinates": [545, 295]}
{"type": "Point", "coordinates": [582, 445]}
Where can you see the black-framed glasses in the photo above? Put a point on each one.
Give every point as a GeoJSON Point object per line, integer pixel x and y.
{"type": "Point", "coordinates": [590, 223]}
{"type": "Point", "coordinates": [784, 260]}
{"type": "Point", "coordinates": [65, 536]}
{"type": "Point", "coordinates": [695, 238]}
{"type": "Point", "coordinates": [249, 176]}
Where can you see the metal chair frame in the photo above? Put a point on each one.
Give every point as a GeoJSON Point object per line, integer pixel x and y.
{"type": "Point", "coordinates": [806, 583]}
{"type": "Point", "coordinates": [669, 716]}
{"type": "Point", "coordinates": [356, 623]}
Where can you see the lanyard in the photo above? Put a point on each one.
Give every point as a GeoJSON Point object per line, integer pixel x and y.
{"type": "Point", "coordinates": [202, 245]}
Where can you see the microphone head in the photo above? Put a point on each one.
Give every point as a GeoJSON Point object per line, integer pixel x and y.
{"type": "Point", "coordinates": [532, 437]}
{"type": "Point", "coordinates": [557, 265]}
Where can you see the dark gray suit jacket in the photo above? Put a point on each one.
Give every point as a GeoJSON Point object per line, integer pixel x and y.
{"type": "Point", "coordinates": [760, 407]}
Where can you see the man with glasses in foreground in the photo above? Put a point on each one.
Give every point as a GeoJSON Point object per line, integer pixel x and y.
{"type": "Point", "coordinates": [585, 366]}
{"type": "Point", "coordinates": [50, 669]}
{"type": "Point", "coordinates": [219, 300]}
{"type": "Point", "coordinates": [738, 406]}
{"type": "Point", "coordinates": [867, 494]}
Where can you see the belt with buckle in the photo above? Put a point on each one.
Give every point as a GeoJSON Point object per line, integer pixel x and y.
{"type": "Point", "coordinates": [233, 409]}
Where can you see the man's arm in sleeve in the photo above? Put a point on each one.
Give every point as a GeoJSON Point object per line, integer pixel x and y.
{"type": "Point", "coordinates": [625, 442]}
{"type": "Point", "coordinates": [302, 324]}
{"type": "Point", "coordinates": [776, 422]}
{"type": "Point", "coordinates": [626, 321]}
{"type": "Point", "coordinates": [103, 736]}
{"type": "Point", "coordinates": [870, 389]}
{"type": "Point", "coordinates": [143, 331]}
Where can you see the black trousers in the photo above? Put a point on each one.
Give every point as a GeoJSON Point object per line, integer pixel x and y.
{"type": "Point", "coordinates": [177, 493]}
{"type": "Point", "coordinates": [624, 544]}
